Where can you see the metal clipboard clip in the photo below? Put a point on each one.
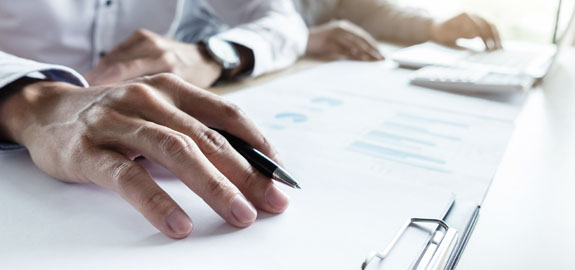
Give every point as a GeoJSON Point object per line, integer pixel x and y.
{"type": "Point", "coordinates": [435, 255]}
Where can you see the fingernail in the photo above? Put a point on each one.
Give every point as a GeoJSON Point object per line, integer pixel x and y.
{"type": "Point", "coordinates": [179, 222]}
{"type": "Point", "coordinates": [242, 210]}
{"type": "Point", "coordinates": [276, 198]}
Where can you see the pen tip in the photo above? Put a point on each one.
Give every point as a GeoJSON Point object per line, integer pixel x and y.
{"type": "Point", "coordinates": [284, 177]}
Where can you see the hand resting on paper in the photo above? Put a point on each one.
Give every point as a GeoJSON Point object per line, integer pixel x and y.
{"type": "Point", "coordinates": [92, 135]}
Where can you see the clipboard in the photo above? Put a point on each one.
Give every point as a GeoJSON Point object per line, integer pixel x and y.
{"type": "Point", "coordinates": [442, 251]}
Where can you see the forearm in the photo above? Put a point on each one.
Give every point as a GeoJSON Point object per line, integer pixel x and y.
{"type": "Point", "coordinates": [387, 21]}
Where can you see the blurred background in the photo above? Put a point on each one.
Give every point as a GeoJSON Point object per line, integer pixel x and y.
{"type": "Point", "coordinates": [528, 20]}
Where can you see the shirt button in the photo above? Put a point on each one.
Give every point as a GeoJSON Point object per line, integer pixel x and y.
{"type": "Point", "coordinates": [102, 53]}
{"type": "Point", "coordinates": [108, 3]}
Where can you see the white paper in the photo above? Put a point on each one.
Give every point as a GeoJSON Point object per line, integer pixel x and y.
{"type": "Point", "coordinates": [333, 223]}
{"type": "Point", "coordinates": [368, 115]}
{"type": "Point", "coordinates": [326, 124]}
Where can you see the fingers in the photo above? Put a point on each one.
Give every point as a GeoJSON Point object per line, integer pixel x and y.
{"type": "Point", "coordinates": [140, 43]}
{"type": "Point", "coordinates": [364, 40]}
{"type": "Point", "coordinates": [116, 172]}
{"type": "Point", "coordinates": [343, 38]}
{"type": "Point", "coordinates": [358, 48]}
{"type": "Point", "coordinates": [485, 31]}
{"type": "Point", "coordinates": [354, 42]}
{"type": "Point", "coordinates": [258, 188]}
{"type": "Point", "coordinates": [180, 154]}
{"type": "Point", "coordinates": [466, 26]}
{"type": "Point", "coordinates": [141, 54]}
{"type": "Point", "coordinates": [111, 71]}
{"type": "Point", "coordinates": [213, 111]}
{"type": "Point", "coordinates": [135, 38]}
{"type": "Point", "coordinates": [496, 36]}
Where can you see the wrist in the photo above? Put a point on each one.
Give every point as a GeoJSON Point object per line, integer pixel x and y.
{"type": "Point", "coordinates": [233, 59]}
{"type": "Point", "coordinates": [211, 64]}
{"type": "Point", "coordinates": [17, 110]}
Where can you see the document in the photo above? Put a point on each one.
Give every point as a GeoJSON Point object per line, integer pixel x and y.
{"type": "Point", "coordinates": [368, 115]}
{"type": "Point", "coordinates": [333, 222]}
{"type": "Point", "coordinates": [369, 151]}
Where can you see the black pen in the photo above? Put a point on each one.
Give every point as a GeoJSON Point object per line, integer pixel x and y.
{"type": "Point", "coordinates": [260, 161]}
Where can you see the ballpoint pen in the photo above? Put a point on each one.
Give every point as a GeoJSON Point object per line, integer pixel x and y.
{"type": "Point", "coordinates": [260, 161]}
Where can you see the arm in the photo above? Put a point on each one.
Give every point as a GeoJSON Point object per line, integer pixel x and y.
{"type": "Point", "coordinates": [390, 22]}
{"type": "Point", "coordinates": [387, 21]}
{"type": "Point", "coordinates": [271, 29]}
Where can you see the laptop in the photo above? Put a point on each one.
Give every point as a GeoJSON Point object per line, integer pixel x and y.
{"type": "Point", "coordinates": [516, 57]}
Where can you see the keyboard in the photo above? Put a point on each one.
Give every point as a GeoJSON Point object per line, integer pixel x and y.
{"type": "Point", "coordinates": [502, 58]}
{"type": "Point", "coordinates": [471, 81]}
{"type": "Point", "coordinates": [531, 59]}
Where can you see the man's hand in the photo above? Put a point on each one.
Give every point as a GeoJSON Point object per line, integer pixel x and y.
{"type": "Point", "coordinates": [465, 26]}
{"type": "Point", "coordinates": [92, 135]}
{"type": "Point", "coordinates": [147, 53]}
{"type": "Point", "coordinates": [342, 39]}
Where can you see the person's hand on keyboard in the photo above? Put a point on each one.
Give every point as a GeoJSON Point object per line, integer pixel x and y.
{"type": "Point", "coordinates": [465, 26]}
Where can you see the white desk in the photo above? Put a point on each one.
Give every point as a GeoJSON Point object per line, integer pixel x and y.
{"type": "Point", "coordinates": [528, 216]}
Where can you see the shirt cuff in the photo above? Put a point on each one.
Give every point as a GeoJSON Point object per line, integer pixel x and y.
{"type": "Point", "coordinates": [254, 42]}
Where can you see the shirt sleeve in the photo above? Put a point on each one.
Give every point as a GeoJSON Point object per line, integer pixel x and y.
{"type": "Point", "coordinates": [197, 23]}
{"type": "Point", "coordinates": [272, 29]}
{"type": "Point", "coordinates": [387, 21]}
{"type": "Point", "coordinates": [13, 68]}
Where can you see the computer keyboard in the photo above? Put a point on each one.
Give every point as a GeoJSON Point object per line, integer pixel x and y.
{"type": "Point", "coordinates": [502, 58]}
{"type": "Point", "coordinates": [526, 58]}
{"type": "Point", "coordinates": [466, 80]}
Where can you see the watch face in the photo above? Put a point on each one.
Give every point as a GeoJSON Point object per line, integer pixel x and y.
{"type": "Point", "coordinates": [225, 52]}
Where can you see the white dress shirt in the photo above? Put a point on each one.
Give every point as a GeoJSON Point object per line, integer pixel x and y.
{"type": "Point", "coordinates": [380, 18]}
{"type": "Point", "coordinates": [61, 39]}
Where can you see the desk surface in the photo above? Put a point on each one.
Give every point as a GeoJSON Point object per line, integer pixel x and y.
{"type": "Point", "coordinates": [529, 212]}
{"type": "Point", "coordinates": [530, 208]}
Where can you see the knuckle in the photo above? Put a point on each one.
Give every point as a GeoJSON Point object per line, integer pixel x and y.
{"type": "Point", "coordinates": [167, 59]}
{"type": "Point", "coordinates": [156, 202]}
{"type": "Point", "coordinates": [141, 32]}
{"type": "Point", "coordinates": [211, 142]}
{"type": "Point", "coordinates": [249, 178]}
{"type": "Point", "coordinates": [135, 91]}
{"type": "Point", "coordinates": [153, 41]}
{"type": "Point", "coordinates": [341, 23]}
{"type": "Point", "coordinates": [232, 111]}
{"type": "Point", "coordinates": [340, 29]}
{"type": "Point", "coordinates": [217, 186]}
{"type": "Point", "coordinates": [124, 174]}
{"type": "Point", "coordinates": [166, 79]}
{"type": "Point", "coordinates": [177, 147]}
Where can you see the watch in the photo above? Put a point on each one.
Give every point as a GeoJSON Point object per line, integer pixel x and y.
{"type": "Point", "coordinates": [224, 53]}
